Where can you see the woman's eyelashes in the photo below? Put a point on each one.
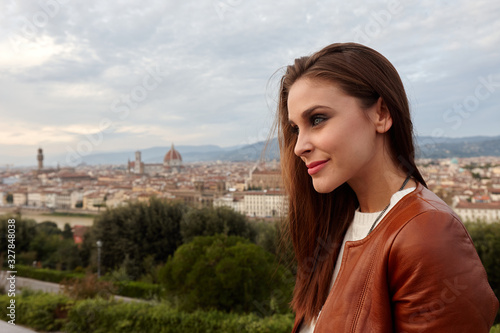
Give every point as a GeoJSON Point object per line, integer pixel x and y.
{"type": "Point", "coordinates": [317, 119]}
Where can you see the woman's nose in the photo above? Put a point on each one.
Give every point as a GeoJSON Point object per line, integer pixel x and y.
{"type": "Point", "coordinates": [303, 145]}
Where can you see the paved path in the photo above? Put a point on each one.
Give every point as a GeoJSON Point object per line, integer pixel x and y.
{"type": "Point", "coordinates": [49, 287]}
{"type": "Point", "coordinates": [5, 327]}
{"type": "Point", "coordinates": [22, 282]}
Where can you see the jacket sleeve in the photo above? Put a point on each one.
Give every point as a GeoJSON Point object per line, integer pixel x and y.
{"type": "Point", "coordinates": [437, 281]}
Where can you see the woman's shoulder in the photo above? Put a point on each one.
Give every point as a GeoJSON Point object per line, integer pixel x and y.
{"type": "Point", "coordinates": [427, 230]}
{"type": "Point", "coordinates": [421, 206]}
{"type": "Point", "coordinates": [425, 224]}
{"type": "Point", "coordinates": [426, 200]}
{"type": "Point", "coordinates": [431, 254]}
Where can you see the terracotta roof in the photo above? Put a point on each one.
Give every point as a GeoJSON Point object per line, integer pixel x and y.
{"type": "Point", "coordinates": [267, 172]}
{"type": "Point", "coordinates": [78, 233]}
{"type": "Point", "coordinates": [172, 154]}
{"type": "Point", "coordinates": [482, 197]}
{"type": "Point", "coordinates": [477, 205]}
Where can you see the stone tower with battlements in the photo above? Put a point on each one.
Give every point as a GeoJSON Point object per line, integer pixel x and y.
{"type": "Point", "coordinates": [39, 157]}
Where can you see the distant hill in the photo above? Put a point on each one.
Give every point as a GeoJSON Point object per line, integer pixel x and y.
{"type": "Point", "coordinates": [203, 153]}
{"type": "Point", "coordinates": [428, 147]}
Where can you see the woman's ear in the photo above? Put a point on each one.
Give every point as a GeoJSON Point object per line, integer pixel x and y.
{"type": "Point", "coordinates": [383, 119]}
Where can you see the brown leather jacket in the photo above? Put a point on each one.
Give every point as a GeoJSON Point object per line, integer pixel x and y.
{"type": "Point", "coordinates": [418, 271]}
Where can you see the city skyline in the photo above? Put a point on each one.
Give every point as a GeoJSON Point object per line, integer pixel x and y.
{"type": "Point", "coordinates": [95, 77]}
{"type": "Point", "coordinates": [426, 148]}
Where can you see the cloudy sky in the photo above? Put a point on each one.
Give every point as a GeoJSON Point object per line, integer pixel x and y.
{"type": "Point", "coordinates": [80, 77]}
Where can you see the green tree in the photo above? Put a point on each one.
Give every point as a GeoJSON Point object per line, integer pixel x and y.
{"type": "Point", "coordinates": [227, 273]}
{"type": "Point", "coordinates": [211, 221]}
{"type": "Point", "coordinates": [267, 235]}
{"type": "Point", "coordinates": [87, 248]}
{"type": "Point", "coordinates": [486, 238]}
{"type": "Point", "coordinates": [271, 235]}
{"type": "Point", "coordinates": [45, 245]}
{"type": "Point", "coordinates": [25, 231]}
{"type": "Point", "coordinates": [100, 205]}
{"type": "Point", "coordinates": [67, 256]}
{"type": "Point", "coordinates": [138, 230]}
{"type": "Point", "coordinates": [67, 232]}
{"type": "Point", "coordinates": [48, 228]}
{"type": "Point", "coordinates": [43, 242]}
{"type": "Point", "coordinates": [476, 176]}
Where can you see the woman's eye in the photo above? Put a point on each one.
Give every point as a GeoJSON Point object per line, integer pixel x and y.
{"type": "Point", "coordinates": [316, 120]}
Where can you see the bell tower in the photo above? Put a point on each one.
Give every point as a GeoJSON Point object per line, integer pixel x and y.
{"type": "Point", "coordinates": [39, 157]}
{"type": "Point", "coordinates": [138, 166]}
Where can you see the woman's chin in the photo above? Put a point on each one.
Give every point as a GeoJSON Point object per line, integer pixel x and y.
{"type": "Point", "coordinates": [322, 187]}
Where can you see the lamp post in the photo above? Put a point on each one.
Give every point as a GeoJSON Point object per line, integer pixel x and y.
{"type": "Point", "coordinates": [99, 245]}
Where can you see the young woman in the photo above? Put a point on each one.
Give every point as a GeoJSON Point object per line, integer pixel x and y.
{"type": "Point", "coordinates": [376, 250]}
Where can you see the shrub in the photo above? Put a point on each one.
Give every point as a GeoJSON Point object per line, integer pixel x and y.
{"type": "Point", "coordinates": [25, 232]}
{"type": "Point", "coordinates": [40, 311]}
{"type": "Point", "coordinates": [100, 316]}
{"type": "Point", "coordinates": [136, 231]}
{"type": "Point", "coordinates": [227, 273]}
{"type": "Point", "coordinates": [210, 221]}
{"type": "Point", "coordinates": [87, 287]}
{"type": "Point", "coordinates": [267, 235]}
{"type": "Point", "coordinates": [45, 274]}
{"type": "Point", "coordinates": [137, 289]}
{"type": "Point", "coordinates": [92, 287]}
{"type": "Point", "coordinates": [486, 238]}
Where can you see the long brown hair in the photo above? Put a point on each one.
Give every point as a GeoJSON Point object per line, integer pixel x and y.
{"type": "Point", "coordinates": [316, 223]}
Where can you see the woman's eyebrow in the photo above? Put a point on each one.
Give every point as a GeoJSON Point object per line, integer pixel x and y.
{"type": "Point", "coordinates": [308, 112]}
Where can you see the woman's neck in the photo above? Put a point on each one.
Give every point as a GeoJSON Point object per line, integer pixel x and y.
{"type": "Point", "coordinates": [375, 189]}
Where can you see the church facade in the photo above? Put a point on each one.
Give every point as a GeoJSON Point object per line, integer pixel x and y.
{"type": "Point", "coordinates": [172, 163]}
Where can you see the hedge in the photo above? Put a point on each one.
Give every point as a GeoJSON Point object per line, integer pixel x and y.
{"type": "Point", "coordinates": [100, 316]}
{"type": "Point", "coordinates": [132, 289]}
{"type": "Point", "coordinates": [45, 274]}
{"type": "Point", "coordinates": [136, 289]}
{"type": "Point", "coordinates": [55, 312]}
{"type": "Point", "coordinates": [486, 238]}
{"type": "Point", "coordinates": [38, 310]}
{"type": "Point", "coordinates": [46, 312]}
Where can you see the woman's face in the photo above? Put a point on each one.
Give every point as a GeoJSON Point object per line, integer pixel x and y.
{"type": "Point", "coordinates": [336, 137]}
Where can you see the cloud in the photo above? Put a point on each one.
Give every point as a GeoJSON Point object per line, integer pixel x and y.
{"type": "Point", "coordinates": [67, 66]}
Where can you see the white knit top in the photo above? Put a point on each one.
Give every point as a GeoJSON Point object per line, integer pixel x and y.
{"type": "Point", "coordinates": [358, 230]}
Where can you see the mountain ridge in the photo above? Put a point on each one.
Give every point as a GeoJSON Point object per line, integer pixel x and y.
{"type": "Point", "coordinates": [427, 147]}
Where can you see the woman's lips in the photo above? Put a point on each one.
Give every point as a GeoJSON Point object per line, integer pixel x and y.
{"type": "Point", "coordinates": [315, 167]}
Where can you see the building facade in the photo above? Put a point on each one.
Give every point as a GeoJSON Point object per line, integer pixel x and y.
{"type": "Point", "coordinates": [256, 203]}
{"type": "Point", "coordinates": [172, 163]}
{"type": "Point", "coordinates": [488, 212]}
